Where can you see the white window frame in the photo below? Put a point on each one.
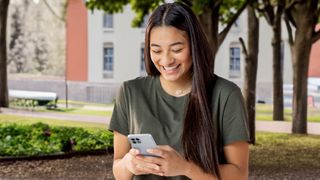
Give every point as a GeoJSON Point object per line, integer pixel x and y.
{"type": "Point", "coordinates": [108, 60]}
{"type": "Point", "coordinates": [234, 61]}
{"type": "Point", "coordinates": [107, 21]}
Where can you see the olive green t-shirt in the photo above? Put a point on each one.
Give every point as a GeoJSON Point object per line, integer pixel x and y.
{"type": "Point", "coordinates": [142, 106]}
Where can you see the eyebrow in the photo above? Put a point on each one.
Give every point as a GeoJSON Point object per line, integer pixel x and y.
{"type": "Point", "coordinates": [173, 44]}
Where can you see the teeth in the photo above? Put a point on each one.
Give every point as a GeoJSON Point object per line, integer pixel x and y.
{"type": "Point", "coordinates": [170, 68]}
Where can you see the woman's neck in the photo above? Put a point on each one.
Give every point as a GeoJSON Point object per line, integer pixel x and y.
{"type": "Point", "coordinates": [176, 88]}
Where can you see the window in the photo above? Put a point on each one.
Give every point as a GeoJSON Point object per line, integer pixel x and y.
{"type": "Point", "coordinates": [108, 20]}
{"type": "Point", "coordinates": [234, 67]}
{"type": "Point", "coordinates": [108, 60]}
{"type": "Point", "coordinates": [142, 63]}
{"type": "Point", "coordinates": [236, 23]}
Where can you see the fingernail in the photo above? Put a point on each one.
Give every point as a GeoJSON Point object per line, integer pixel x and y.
{"type": "Point", "coordinates": [139, 157]}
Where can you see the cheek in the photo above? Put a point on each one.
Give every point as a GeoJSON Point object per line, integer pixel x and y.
{"type": "Point", "coordinates": [185, 58]}
{"type": "Point", "coordinates": [154, 58]}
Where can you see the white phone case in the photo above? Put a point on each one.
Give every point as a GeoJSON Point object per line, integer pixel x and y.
{"type": "Point", "coordinates": [142, 142]}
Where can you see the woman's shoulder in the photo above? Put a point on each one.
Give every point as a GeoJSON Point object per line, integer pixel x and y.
{"type": "Point", "coordinates": [224, 86]}
{"type": "Point", "coordinates": [141, 82]}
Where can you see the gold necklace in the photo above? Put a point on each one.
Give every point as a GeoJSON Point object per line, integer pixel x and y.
{"type": "Point", "coordinates": [181, 92]}
{"type": "Point", "coordinates": [178, 92]}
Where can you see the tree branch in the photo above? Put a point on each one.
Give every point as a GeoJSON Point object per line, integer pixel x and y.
{"type": "Point", "coordinates": [288, 9]}
{"type": "Point", "coordinates": [243, 47]}
{"type": "Point", "coordinates": [268, 11]}
{"type": "Point", "coordinates": [292, 3]}
{"type": "Point", "coordinates": [289, 31]}
{"type": "Point", "coordinates": [316, 36]}
{"type": "Point", "coordinates": [217, 4]}
{"type": "Point", "coordinates": [222, 35]}
{"type": "Point", "coordinates": [53, 12]}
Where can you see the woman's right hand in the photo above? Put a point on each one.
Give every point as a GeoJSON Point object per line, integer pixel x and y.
{"type": "Point", "coordinates": [140, 167]}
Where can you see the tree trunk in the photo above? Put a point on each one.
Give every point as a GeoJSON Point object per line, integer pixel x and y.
{"type": "Point", "coordinates": [3, 54]}
{"type": "Point", "coordinates": [303, 15]}
{"type": "Point", "coordinates": [277, 66]}
{"type": "Point", "coordinates": [209, 21]}
{"type": "Point", "coordinates": [251, 70]}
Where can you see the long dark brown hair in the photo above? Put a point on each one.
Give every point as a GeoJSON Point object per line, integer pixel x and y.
{"type": "Point", "coordinates": [199, 138]}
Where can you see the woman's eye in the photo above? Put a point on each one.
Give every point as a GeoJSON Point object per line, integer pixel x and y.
{"type": "Point", "coordinates": [177, 50]}
{"type": "Point", "coordinates": [156, 52]}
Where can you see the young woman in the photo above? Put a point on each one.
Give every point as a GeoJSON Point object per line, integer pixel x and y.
{"type": "Point", "coordinates": [197, 118]}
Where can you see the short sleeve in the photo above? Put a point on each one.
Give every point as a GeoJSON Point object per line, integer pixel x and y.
{"type": "Point", "coordinates": [235, 119]}
{"type": "Point", "coordinates": [119, 119]}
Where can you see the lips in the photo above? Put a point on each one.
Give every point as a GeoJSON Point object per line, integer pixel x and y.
{"type": "Point", "coordinates": [170, 68]}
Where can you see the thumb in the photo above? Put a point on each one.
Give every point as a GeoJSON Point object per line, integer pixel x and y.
{"type": "Point", "coordinates": [134, 152]}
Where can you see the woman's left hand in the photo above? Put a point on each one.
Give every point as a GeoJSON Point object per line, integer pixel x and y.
{"type": "Point", "coordinates": [171, 162]}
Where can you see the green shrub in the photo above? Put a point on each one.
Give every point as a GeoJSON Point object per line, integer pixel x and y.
{"type": "Point", "coordinates": [41, 139]}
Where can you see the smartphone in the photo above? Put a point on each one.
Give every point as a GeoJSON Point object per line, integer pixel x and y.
{"type": "Point", "coordinates": [142, 142]}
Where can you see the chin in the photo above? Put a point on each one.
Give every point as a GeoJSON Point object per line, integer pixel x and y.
{"type": "Point", "coordinates": [171, 78]}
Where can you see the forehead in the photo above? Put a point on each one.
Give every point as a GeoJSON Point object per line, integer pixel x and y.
{"type": "Point", "coordinates": [164, 35]}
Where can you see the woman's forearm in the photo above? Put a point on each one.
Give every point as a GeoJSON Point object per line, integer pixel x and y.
{"type": "Point", "coordinates": [227, 171]}
{"type": "Point", "coordinates": [120, 171]}
{"type": "Point", "coordinates": [231, 171]}
{"type": "Point", "coordinates": [193, 171]}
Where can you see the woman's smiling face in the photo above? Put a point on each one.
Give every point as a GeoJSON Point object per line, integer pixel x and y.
{"type": "Point", "coordinates": [170, 53]}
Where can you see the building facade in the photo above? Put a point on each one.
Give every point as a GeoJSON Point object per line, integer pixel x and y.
{"type": "Point", "coordinates": [103, 48]}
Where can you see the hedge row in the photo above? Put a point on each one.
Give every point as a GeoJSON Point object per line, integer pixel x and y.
{"type": "Point", "coordinates": [42, 139]}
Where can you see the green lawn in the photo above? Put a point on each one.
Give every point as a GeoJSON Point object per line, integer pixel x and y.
{"type": "Point", "coordinates": [264, 112]}
{"type": "Point", "coordinates": [31, 120]}
{"type": "Point", "coordinates": [80, 111]}
{"type": "Point", "coordinates": [277, 150]}
{"type": "Point", "coordinates": [80, 103]}
{"type": "Point", "coordinates": [75, 107]}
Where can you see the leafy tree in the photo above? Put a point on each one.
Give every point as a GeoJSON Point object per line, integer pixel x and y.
{"type": "Point", "coordinates": [4, 102]}
{"type": "Point", "coordinates": [273, 11]}
{"type": "Point", "coordinates": [303, 17]}
{"type": "Point", "coordinates": [210, 13]}
{"type": "Point", "coordinates": [18, 42]}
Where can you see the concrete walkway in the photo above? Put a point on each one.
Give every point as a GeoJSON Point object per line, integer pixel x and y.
{"type": "Point", "coordinates": [284, 127]}
{"type": "Point", "coordinates": [268, 126]}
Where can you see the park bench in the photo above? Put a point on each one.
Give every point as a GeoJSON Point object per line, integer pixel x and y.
{"type": "Point", "coordinates": [37, 98]}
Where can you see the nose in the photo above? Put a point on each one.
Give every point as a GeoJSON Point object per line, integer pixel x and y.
{"type": "Point", "coordinates": [167, 59]}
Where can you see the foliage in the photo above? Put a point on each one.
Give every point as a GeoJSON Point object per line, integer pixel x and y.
{"type": "Point", "coordinates": [19, 39]}
{"type": "Point", "coordinates": [141, 8]}
{"type": "Point", "coordinates": [26, 103]}
{"type": "Point", "coordinates": [228, 9]}
{"type": "Point", "coordinates": [41, 139]}
{"type": "Point", "coordinates": [36, 38]}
